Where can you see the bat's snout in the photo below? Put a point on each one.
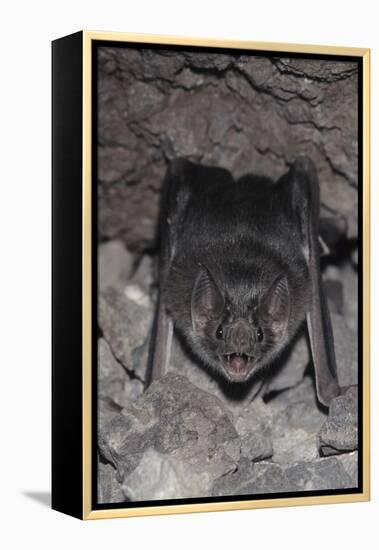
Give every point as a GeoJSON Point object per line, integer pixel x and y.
{"type": "Point", "coordinates": [238, 360]}
{"type": "Point", "coordinates": [240, 336]}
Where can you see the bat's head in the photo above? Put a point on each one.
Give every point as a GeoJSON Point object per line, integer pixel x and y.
{"type": "Point", "coordinates": [239, 332]}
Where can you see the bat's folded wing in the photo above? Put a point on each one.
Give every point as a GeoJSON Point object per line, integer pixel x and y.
{"type": "Point", "coordinates": [305, 200]}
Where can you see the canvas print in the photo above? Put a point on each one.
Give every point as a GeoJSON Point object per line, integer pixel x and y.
{"type": "Point", "coordinates": [228, 239]}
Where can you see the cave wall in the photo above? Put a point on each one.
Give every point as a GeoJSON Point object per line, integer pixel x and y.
{"type": "Point", "coordinates": [246, 113]}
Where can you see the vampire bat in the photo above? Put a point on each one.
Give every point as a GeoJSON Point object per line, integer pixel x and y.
{"type": "Point", "coordinates": [239, 271]}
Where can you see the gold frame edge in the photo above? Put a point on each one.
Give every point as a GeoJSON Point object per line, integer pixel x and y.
{"type": "Point", "coordinates": [88, 513]}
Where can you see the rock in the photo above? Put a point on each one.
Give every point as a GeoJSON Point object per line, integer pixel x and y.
{"type": "Point", "coordinates": [146, 275]}
{"type": "Point", "coordinates": [323, 474]}
{"type": "Point", "coordinates": [350, 463]}
{"type": "Point", "coordinates": [108, 488]}
{"type": "Point", "coordinates": [115, 264]}
{"type": "Point", "coordinates": [106, 410]}
{"type": "Point", "coordinates": [157, 477]}
{"type": "Point", "coordinates": [186, 428]}
{"type": "Point", "coordinates": [125, 318]}
{"type": "Point", "coordinates": [253, 426]}
{"type": "Point", "coordinates": [114, 382]}
{"type": "Point", "coordinates": [304, 391]}
{"type": "Point", "coordinates": [251, 478]}
{"type": "Point", "coordinates": [256, 446]}
{"type": "Point", "coordinates": [295, 433]}
{"type": "Point", "coordinates": [266, 477]}
{"type": "Point", "coordinates": [290, 370]}
{"type": "Point", "coordinates": [334, 293]}
{"type": "Point", "coordinates": [349, 278]}
{"type": "Point", "coordinates": [254, 417]}
{"type": "Point", "coordinates": [340, 431]}
{"type": "Point", "coordinates": [295, 422]}
{"type": "Point", "coordinates": [133, 388]}
{"type": "Point", "coordinates": [111, 375]}
{"type": "Point", "coordinates": [346, 348]}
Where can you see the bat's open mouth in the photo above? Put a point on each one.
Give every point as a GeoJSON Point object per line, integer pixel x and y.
{"type": "Point", "coordinates": [238, 365]}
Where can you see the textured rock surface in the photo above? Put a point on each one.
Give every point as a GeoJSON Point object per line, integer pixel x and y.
{"type": "Point", "coordinates": [267, 477]}
{"type": "Point", "coordinates": [125, 317]}
{"type": "Point", "coordinates": [108, 488]}
{"type": "Point", "coordinates": [233, 395]}
{"type": "Point", "coordinates": [295, 425]}
{"type": "Point", "coordinates": [291, 368]}
{"type": "Point", "coordinates": [115, 264]}
{"type": "Point", "coordinates": [246, 113]}
{"type": "Point", "coordinates": [340, 431]}
{"type": "Point", "coordinates": [346, 348]}
{"type": "Point", "coordinates": [187, 428]}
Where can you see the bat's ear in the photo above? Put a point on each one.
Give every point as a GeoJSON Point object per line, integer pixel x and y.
{"type": "Point", "coordinates": [302, 189]}
{"type": "Point", "coordinates": [275, 305]}
{"type": "Point", "coordinates": [207, 302]}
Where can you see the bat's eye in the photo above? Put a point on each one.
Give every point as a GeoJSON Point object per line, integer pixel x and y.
{"type": "Point", "coordinates": [219, 332]}
{"type": "Point", "coordinates": [259, 334]}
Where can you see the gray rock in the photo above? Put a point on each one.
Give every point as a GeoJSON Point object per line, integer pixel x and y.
{"type": "Point", "coordinates": [294, 420]}
{"type": "Point", "coordinates": [340, 431]}
{"type": "Point", "coordinates": [267, 477]}
{"type": "Point", "coordinates": [253, 426]}
{"type": "Point", "coordinates": [295, 424]}
{"type": "Point", "coordinates": [159, 476]}
{"type": "Point", "coordinates": [133, 388]}
{"type": "Point", "coordinates": [111, 375]}
{"type": "Point", "coordinates": [186, 428]}
{"type": "Point", "coordinates": [114, 382]}
{"type": "Point", "coordinates": [346, 348]}
{"type": "Point", "coordinates": [146, 275]}
{"type": "Point", "coordinates": [292, 367]}
{"type": "Point", "coordinates": [323, 474]}
{"type": "Point", "coordinates": [334, 293]}
{"type": "Point", "coordinates": [305, 391]}
{"type": "Point", "coordinates": [107, 409]}
{"type": "Point", "coordinates": [252, 478]}
{"type": "Point", "coordinates": [115, 264]}
{"type": "Point", "coordinates": [256, 446]}
{"type": "Point", "coordinates": [349, 278]}
{"type": "Point", "coordinates": [108, 488]}
{"type": "Point", "coordinates": [125, 318]}
{"type": "Point", "coordinates": [295, 433]}
{"type": "Point", "coordinates": [350, 463]}
{"type": "Point", "coordinates": [254, 417]}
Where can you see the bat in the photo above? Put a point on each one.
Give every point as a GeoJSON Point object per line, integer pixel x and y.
{"type": "Point", "coordinates": [239, 271]}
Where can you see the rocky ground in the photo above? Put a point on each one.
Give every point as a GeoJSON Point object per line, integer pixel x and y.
{"type": "Point", "coordinates": [189, 435]}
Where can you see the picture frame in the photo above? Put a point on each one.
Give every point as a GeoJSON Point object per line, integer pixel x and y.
{"type": "Point", "coordinates": [75, 205]}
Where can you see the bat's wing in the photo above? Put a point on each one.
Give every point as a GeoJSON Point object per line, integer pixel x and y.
{"type": "Point", "coordinates": [304, 195]}
{"type": "Point", "coordinates": [173, 203]}
{"type": "Point", "coordinates": [181, 179]}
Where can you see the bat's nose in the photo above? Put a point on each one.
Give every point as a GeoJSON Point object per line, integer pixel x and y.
{"type": "Point", "coordinates": [240, 336]}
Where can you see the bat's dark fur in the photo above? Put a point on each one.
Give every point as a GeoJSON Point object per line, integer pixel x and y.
{"type": "Point", "coordinates": [239, 270]}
